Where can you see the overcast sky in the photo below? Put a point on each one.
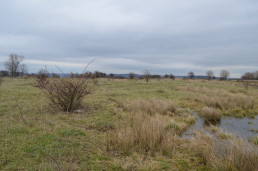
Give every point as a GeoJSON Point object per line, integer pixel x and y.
{"type": "Point", "coordinates": [163, 36]}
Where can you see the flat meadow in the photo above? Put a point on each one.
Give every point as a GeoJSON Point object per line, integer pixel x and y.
{"type": "Point", "coordinates": [127, 124]}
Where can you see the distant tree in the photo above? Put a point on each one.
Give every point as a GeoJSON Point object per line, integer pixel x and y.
{"type": "Point", "coordinates": [1, 78]}
{"type": "Point", "coordinates": [23, 69]}
{"type": "Point", "coordinates": [191, 75]}
{"type": "Point", "coordinates": [249, 76]}
{"type": "Point", "coordinates": [171, 76]}
{"type": "Point", "coordinates": [131, 75]}
{"type": "Point", "coordinates": [87, 75]}
{"type": "Point", "coordinates": [100, 74]}
{"type": "Point", "coordinates": [75, 75]}
{"type": "Point", "coordinates": [155, 76]}
{"type": "Point", "coordinates": [4, 73]}
{"type": "Point", "coordinates": [224, 74]}
{"type": "Point", "coordinates": [54, 75]}
{"type": "Point", "coordinates": [111, 75]}
{"type": "Point", "coordinates": [12, 64]}
{"type": "Point", "coordinates": [146, 75]}
{"type": "Point", "coordinates": [210, 74]}
{"type": "Point", "coordinates": [166, 76]}
{"type": "Point", "coordinates": [256, 75]}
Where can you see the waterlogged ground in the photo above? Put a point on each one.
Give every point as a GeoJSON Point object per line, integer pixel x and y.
{"type": "Point", "coordinates": [33, 136]}
{"type": "Point", "coordinates": [241, 127]}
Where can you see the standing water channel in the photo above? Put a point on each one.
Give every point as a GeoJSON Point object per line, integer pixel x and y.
{"type": "Point", "coordinates": [242, 127]}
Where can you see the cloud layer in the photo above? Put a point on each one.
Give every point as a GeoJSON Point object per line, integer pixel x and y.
{"type": "Point", "coordinates": [165, 36]}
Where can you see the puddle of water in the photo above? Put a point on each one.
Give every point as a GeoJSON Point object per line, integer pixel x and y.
{"type": "Point", "coordinates": [241, 127]}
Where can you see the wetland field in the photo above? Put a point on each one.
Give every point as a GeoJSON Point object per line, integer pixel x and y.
{"type": "Point", "coordinates": [129, 124]}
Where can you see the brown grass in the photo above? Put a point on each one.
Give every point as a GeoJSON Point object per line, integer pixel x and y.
{"type": "Point", "coordinates": [228, 102]}
{"type": "Point", "coordinates": [225, 155]}
{"type": "Point", "coordinates": [211, 114]}
{"type": "Point", "coordinates": [144, 133]}
{"type": "Point", "coordinates": [221, 99]}
{"type": "Point", "coordinates": [151, 106]}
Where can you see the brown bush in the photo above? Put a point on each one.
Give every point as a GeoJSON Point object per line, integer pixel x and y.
{"type": "Point", "coordinates": [64, 93]}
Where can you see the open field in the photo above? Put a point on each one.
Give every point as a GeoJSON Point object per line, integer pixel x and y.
{"type": "Point", "coordinates": [125, 125]}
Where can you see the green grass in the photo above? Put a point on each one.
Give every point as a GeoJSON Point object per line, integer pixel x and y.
{"type": "Point", "coordinates": [33, 136]}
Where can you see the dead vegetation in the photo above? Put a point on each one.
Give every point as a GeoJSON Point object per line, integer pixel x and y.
{"type": "Point", "coordinates": [221, 99]}
{"type": "Point", "coordinates": [151, 106]}
{"type": "Point", "coordinates": [210, 114]}
{"type": "Point", "coordinates": [224, 155]}
{"type": "Point", "coordinates": [144, 133]}
{"type": "Point", "coordinates": [64, 93]}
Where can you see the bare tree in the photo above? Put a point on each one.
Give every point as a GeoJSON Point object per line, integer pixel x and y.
{"type": "Point", "coordinates": [256, 75]}
{"type": "Point", "coordinates": [224, 74]}
{"type": "Point", "coordinates": [1, 78]}
{"type": "Point", "coordinates": [23, 69]}
{"type": "Point", "coordinates": [131, 75]}
{"type": "Point", "coordinates": [171, 76]}
{"type": "Point", "coordinates": [146, 75]}
{"type": "Point", "coordinates": [210, 74]}
{"type": "Point", "coordinates": [13, 63]}
{"type": "Point", "coordinates": [191, 75]}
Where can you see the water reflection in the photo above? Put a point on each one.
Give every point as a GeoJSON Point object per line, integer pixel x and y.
{"type": "Point", "coordinates": [243, 127]}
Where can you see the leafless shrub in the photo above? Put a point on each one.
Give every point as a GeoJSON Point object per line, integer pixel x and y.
{"type": "Point", "coordinates": [41, 77]}
{"type": "Point", "coordinates": [64, 93]}
{"type": "Point", "coordinates": [146, 75]}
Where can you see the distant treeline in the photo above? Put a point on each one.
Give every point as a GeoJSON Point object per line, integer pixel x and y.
{"type": "Point", "coordinates": [250, 76]}
{"type": "Point", "coordinates": [98, 74]}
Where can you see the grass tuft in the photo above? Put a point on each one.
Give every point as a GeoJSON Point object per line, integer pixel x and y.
{"type": "Point", "coordinates": [211, 114]}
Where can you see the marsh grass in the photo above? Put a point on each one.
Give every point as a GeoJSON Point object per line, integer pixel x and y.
{"type": "Point", "coordinates": [151, 106]}
{"type": "Point", "coordinates": [210, 114]}
{"type": "Point", "coordinates": [55, 139]}
{"type": "Point", "coordinates": [225, 155]}
{"type": "Point", "coordinates": [221, 98]}
{"type": "Point", "coordinates": [144, 133]}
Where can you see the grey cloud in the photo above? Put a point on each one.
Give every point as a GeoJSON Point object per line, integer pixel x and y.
{"type": "Point", "coordinates": [197, 33]}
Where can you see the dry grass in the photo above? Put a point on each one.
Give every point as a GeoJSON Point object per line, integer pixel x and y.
{"type": "Point", "coordinates": [226, 155]}
{"type": "Point", "coordinates": [144, 133]}
{"type": "Point", "coordinates": [228, 102]}
{"type": "Point", "coordinates": [151, 106]}
{"type": "Point", "coordinates": [211, 114]}
{"type": "Point", "coordinates": [221, 99]}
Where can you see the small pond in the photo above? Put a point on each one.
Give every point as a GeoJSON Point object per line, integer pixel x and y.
{"type": "Point", "coordinates": [243, 127]}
